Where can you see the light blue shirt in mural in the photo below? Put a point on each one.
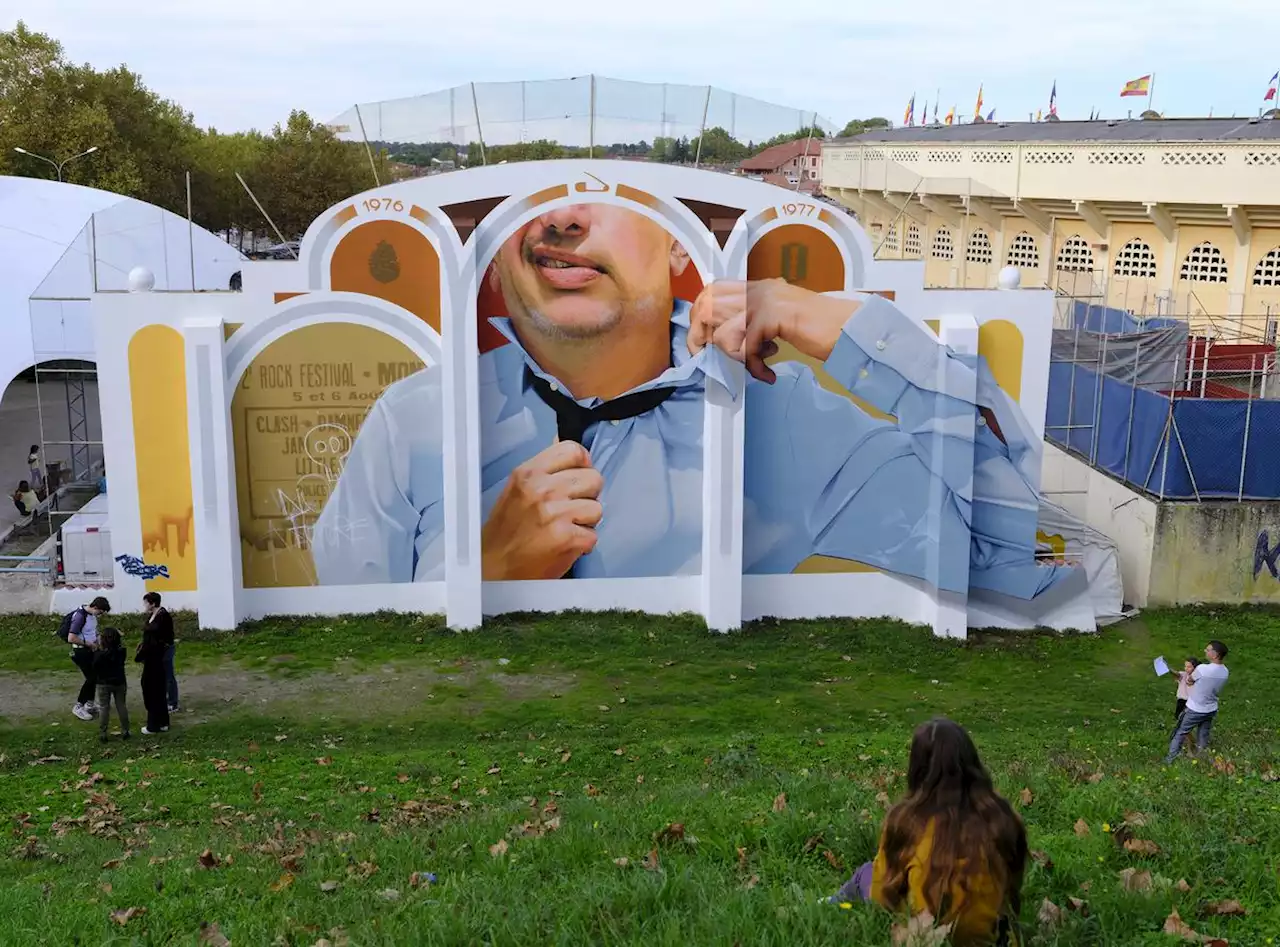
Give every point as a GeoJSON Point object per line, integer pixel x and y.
{"type": "Point", "coordinates": [822, 476]}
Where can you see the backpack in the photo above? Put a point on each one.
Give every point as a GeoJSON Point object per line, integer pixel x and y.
{"type": "Point", "coordinates": [64, 629]}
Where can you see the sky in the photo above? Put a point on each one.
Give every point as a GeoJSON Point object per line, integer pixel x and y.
{"type": "Point", "coordinates": [237, 64]}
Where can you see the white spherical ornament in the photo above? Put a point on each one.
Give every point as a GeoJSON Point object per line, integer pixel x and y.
{"type": "Point", "coordinates": [141, 280]}
{"type": "Point", "coordinates": [1010, 278]}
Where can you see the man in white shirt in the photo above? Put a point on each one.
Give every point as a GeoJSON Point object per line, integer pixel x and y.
{"type": "Point", "coordinates": [1202, 706]}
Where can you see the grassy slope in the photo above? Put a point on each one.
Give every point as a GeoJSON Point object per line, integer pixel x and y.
{"type": "Point", "coordinates": [710, 730]}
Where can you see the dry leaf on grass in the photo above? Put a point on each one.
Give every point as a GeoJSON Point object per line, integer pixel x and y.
{"type": "Point", "coordinates": [833, 859]}
{"type": "Point", "coordinates": [282, 882]}
{"type": "Point", "coordinates": [402, 777]}
{"type": "Point", "coordinates": [566, 756]}
{"type": "Point", "coordinates": [921, 931]}
{"type": "Point", "coordinates": [328, 887]}
{"type": "Point", "coordinates": [674, 832]}
{"type": "Point", "coordinates": [125, 915]}
{"type": "Point", "coordinates": [1141, 847]}
{"type": "Point", "coordinates": [1224, 909]}
{"type": "Point", "coordinates": [1082, 827]}
{"type": "Point", "coordinates": [389, 894]}
{"type": "Point", "coordinates": [210, 935]}
{"type": "Point", "coordinates": [1176, 926]}
{"type": "Point", "coordinates": [209, 860]}
{"type": "Point", "coordinates": [650, 862]}
{"type": "Point", "coordinates": [108, 866]}
{"type": "Point", "coordinates": [1136, 819]}
{"type": "Point", "coordinates": [1026, 797]}
{"type": "Point", "coordinates": [811, 844]}
{"type": "Point", "coordinates": [324, 761]}
{"type": "Point", "coordinates": [1133, 880]}
{"type": "Point", "coordinates": [742, 859]}
{"type": "Point", "coordinates": [751, 882]}
{"type": "Point", "coordinates": [1050, 915]}
{"type": "Point", "coordinates": [622, 862]}
{"type": "Point", "coordinates": [591, 790]}
{"type": "Point", "coordinates": [498, 848]}
{"type": "Point", "coordinates": [780, 802]}
{"type": "Point", "coordinates": [1043, 860]}
{"type": "Point", "coordinates": [1183, 886]}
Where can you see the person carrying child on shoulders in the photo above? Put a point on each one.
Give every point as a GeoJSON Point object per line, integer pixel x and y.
{"type": "Point", "coordinates": [953, 847]}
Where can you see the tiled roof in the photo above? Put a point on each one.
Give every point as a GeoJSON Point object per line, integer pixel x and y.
{"type": "Point", "coordinates": [771, 159]}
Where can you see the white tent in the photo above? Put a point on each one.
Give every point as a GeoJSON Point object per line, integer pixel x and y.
{"type": "Point", "coordinates": [59, 243]}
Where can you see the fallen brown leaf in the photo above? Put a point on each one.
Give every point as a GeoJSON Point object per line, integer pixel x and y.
{"type": "Point", "coordinates": [1043, 860]}
{"type": "Point", "coordinates": [283, 882]}
{"type": "Point", "coordinates": [566, 756]}
{"type": "Point", "coordinates": [1141, 847]}
{"type": "Point", "coordinates": [499, 848]}
{"type": "Point", "coordinates": [125, 915]}
{"type": "Point", "coordinates": [328, 887]}
{"type": "Point", "coordinates": [1080, 907]}
{"type": "Point", "coordinates": [1183, 886]}
{"type": "Point", "coordinates": [833, 859]}
{"type": "Point", "coordinates": [591, 790]}
{"type": "Point", "coordinates": [811, 844]}
{"type": "Point", "coordinates": [622, 862]}
{"type": "Point", "coordinates": [650, 862]}
{"type": "Point", "coordinates": [751, 882]}
{"type": "Point", "coordinates": [1136, 819]}
{"type": "Point", "coordinates": [1224, 909]}
{"type": "Point", "coordinates": [742, 859]}
{"type": "Point", "coordinates": [1082, 827]}
{"type": "Point", "coordinates": [780, 802]}
{"type": "Point", "coordinates": [493, 771]}
{"type": "Point", "coordinates": [1176, 926]}
{"type": "Point", "coordinates": [1026, 797]}
{"type": "Point", "coordinates": [1133, 880]}
{"type": "Point", "coordinates": [208, 860]}
{"type": "Point", "coordinates": [921, 931]}
{"type": "Point", "coordinates": [257, 792]}
{"type": "Point", "coordinates": [210, 935]}
{"type": "Point", "coordinates": [1050, 915]}
{"type": "Point", "coordinates": [674, 832]}
{"type": "Point", "coordinates": [402, 777]}
{"type": "Point", "coordinates": [324, 761]}
{"type": "Point", "coordinates": [108, 866]}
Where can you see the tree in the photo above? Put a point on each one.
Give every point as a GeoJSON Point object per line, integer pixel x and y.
{"type": "Point", "coordinates": [797, 135]}
{"type": "Point", "coordinates": [718, 147]}
{"type": "Point", "coordinates": [859, 125]}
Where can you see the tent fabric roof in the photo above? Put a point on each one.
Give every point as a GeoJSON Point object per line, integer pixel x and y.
{"type": "Point", "coordinates": [61, 242]}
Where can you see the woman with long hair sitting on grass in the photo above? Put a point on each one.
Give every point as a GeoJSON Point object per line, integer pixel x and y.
{"type": "Point", "coordinates": [953, 847]}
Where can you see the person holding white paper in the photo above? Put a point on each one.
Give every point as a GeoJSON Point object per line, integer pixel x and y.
{"type": "Point", "coordinates": [1202, 701]}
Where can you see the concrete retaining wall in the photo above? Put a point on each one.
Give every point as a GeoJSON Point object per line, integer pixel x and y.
{"type": "Point", "coordinates": [1216, 552]}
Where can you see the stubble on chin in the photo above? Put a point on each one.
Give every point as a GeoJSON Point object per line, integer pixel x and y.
{"type": "Point", "coordinates": [606, 321]}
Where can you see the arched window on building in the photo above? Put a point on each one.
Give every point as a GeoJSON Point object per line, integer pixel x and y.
{"type": "Point", "coordinates": [1136, 259]}
{"type": "Point", "coordinates": [1024, 252]}
{"type": "Point", "coordinates": [913, 240]}
{"type": "Point", "coordinates": [1205, 264]}
{"type": "Point", "coordinates": [979, 250]}
{"type": "Point", "coordinates": [1075, 255]}
{"type": "Point", "coordinates": [943, 247]}
{"type": "Point", "coordinates": [1267, 272]}
{"type": "Point", "coordinates": [891, 238]}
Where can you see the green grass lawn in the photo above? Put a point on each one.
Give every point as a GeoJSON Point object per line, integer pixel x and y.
{"type": "Point", "coordinates": [325, 768]}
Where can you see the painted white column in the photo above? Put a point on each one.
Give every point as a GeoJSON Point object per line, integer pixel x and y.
{"type": "Point", "coordinates": [213, 474]}
{"type": "Point", "coordinates": [951, 609]}
{"type": "Point", "coordinates": [461, 405]}
{"type": "Point", "coordinates": [723, 448]}
{"type": "Point", "coordinates": [1238, 277]}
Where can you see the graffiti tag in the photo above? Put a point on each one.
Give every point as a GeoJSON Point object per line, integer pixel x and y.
{"type": "Point", "coordinates": [134, 566]}
{"type": "Point", "coordinates": [1264, 555]}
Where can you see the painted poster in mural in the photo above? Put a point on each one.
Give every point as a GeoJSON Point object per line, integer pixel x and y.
{"type": "Point", "coordinates": [294, 416]}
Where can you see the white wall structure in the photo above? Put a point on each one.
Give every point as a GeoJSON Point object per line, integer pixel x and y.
{"type": "Point", "coordinates": [61, 243]}
{"type": "Point", "coordinates": [381, 424]}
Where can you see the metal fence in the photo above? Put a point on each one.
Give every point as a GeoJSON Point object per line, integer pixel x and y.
{"type": "Point", "coordinates": [584, 111]}
{"type": "Point", "coordinates": [1167, 411]}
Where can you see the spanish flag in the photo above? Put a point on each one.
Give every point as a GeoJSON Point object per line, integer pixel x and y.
{"type": "Point", "coordinates": [910, 117]}
{"type": "Point", "coordinates": [977, 109]}
{"type": "Point", "coordinates": [951, 116]}
{"type": "Point", "coordinates": [1137, 87]}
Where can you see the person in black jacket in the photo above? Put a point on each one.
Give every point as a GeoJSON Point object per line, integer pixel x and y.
{"type": "Point", "coordinates": [163, 622]}
{"type": "Point", "coordinates": [108, 670]}
{"type": "Point", "coordinates": [150, 655]}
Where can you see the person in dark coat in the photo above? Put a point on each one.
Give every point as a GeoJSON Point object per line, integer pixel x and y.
{"type": "Point", "coordinates": [159, 616]}
{"type": "Point", "coordinates": [150, 655]}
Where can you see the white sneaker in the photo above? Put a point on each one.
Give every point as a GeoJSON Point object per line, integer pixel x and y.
{"type": "Point", "coordinates": [92, 707]}
{"type": "Point", "coordinates": [147, 733]}
{"type": "Point", "coordinates": [80, 712]}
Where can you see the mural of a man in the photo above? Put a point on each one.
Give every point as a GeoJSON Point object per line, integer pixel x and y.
{"type": "Point", "coordinates": [591, 426]}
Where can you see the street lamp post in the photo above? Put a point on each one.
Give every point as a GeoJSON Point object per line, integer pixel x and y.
{"type": "Point", "coordinates": [56, 165]}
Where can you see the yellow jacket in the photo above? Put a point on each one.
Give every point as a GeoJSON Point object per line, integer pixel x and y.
{"type": "Point", "coordinates": [975, 907]}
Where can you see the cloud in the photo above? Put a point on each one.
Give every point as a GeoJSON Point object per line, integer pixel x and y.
{"type": "Point", "coordinates": [238, 63]}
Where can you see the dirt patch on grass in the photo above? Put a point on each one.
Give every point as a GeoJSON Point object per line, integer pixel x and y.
{"type": "Point", "coordinates": [390, 691]}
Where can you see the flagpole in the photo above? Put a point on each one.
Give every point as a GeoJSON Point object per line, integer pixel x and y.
{"type": "Point", "coordinates": [1151, 90]}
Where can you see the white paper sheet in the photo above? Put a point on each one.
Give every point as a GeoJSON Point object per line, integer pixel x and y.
{"type": "Point", "coordinates": [1161, 668]}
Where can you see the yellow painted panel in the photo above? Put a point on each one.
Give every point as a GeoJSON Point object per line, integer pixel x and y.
{"type": "Point", "coordinates": [158, 386]}
{"type": "Point", "coordinates": [1000, 343]}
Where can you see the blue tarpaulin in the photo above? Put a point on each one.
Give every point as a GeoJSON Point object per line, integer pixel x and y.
{"type": "Point", "coordinates": [1114, 321]}
{"type": "Point", "coordinates": [1171, 449]}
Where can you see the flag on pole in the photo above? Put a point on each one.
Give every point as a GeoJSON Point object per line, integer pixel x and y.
{"type": "Point", "coordinates": [924, 113]}
{"type": "Point", "coordinates": [1137, 87]}
{"type": "Point", "coordinates": [991, 116]}
{"type": "Point", "coordinates": [1053, 98]}
{"type": "Point", "coordinates": [1271, 88]}
{"type": "Point", "coordinates": [910, 117]}
{"type": "Point", "coordinates": [1037, 115]}
{"type": "Point", "coordinates": [935, 113]}
{"type": "Point", "coordinates": [951, 116]}
{"type": "Point", "coordinates": [977, 109]}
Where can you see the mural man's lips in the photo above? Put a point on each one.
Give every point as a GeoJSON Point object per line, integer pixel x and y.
{"type": "Point", "coordinates": [565, 271]}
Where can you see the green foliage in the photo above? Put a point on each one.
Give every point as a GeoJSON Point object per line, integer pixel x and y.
{"type": "Point", "coordinates": [859, 125]}
{"type": "Point", "coordinates": [361, 750]}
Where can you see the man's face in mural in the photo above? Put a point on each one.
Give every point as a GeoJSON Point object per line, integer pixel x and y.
{"type": "Point", "coordinates": [578, 272]}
